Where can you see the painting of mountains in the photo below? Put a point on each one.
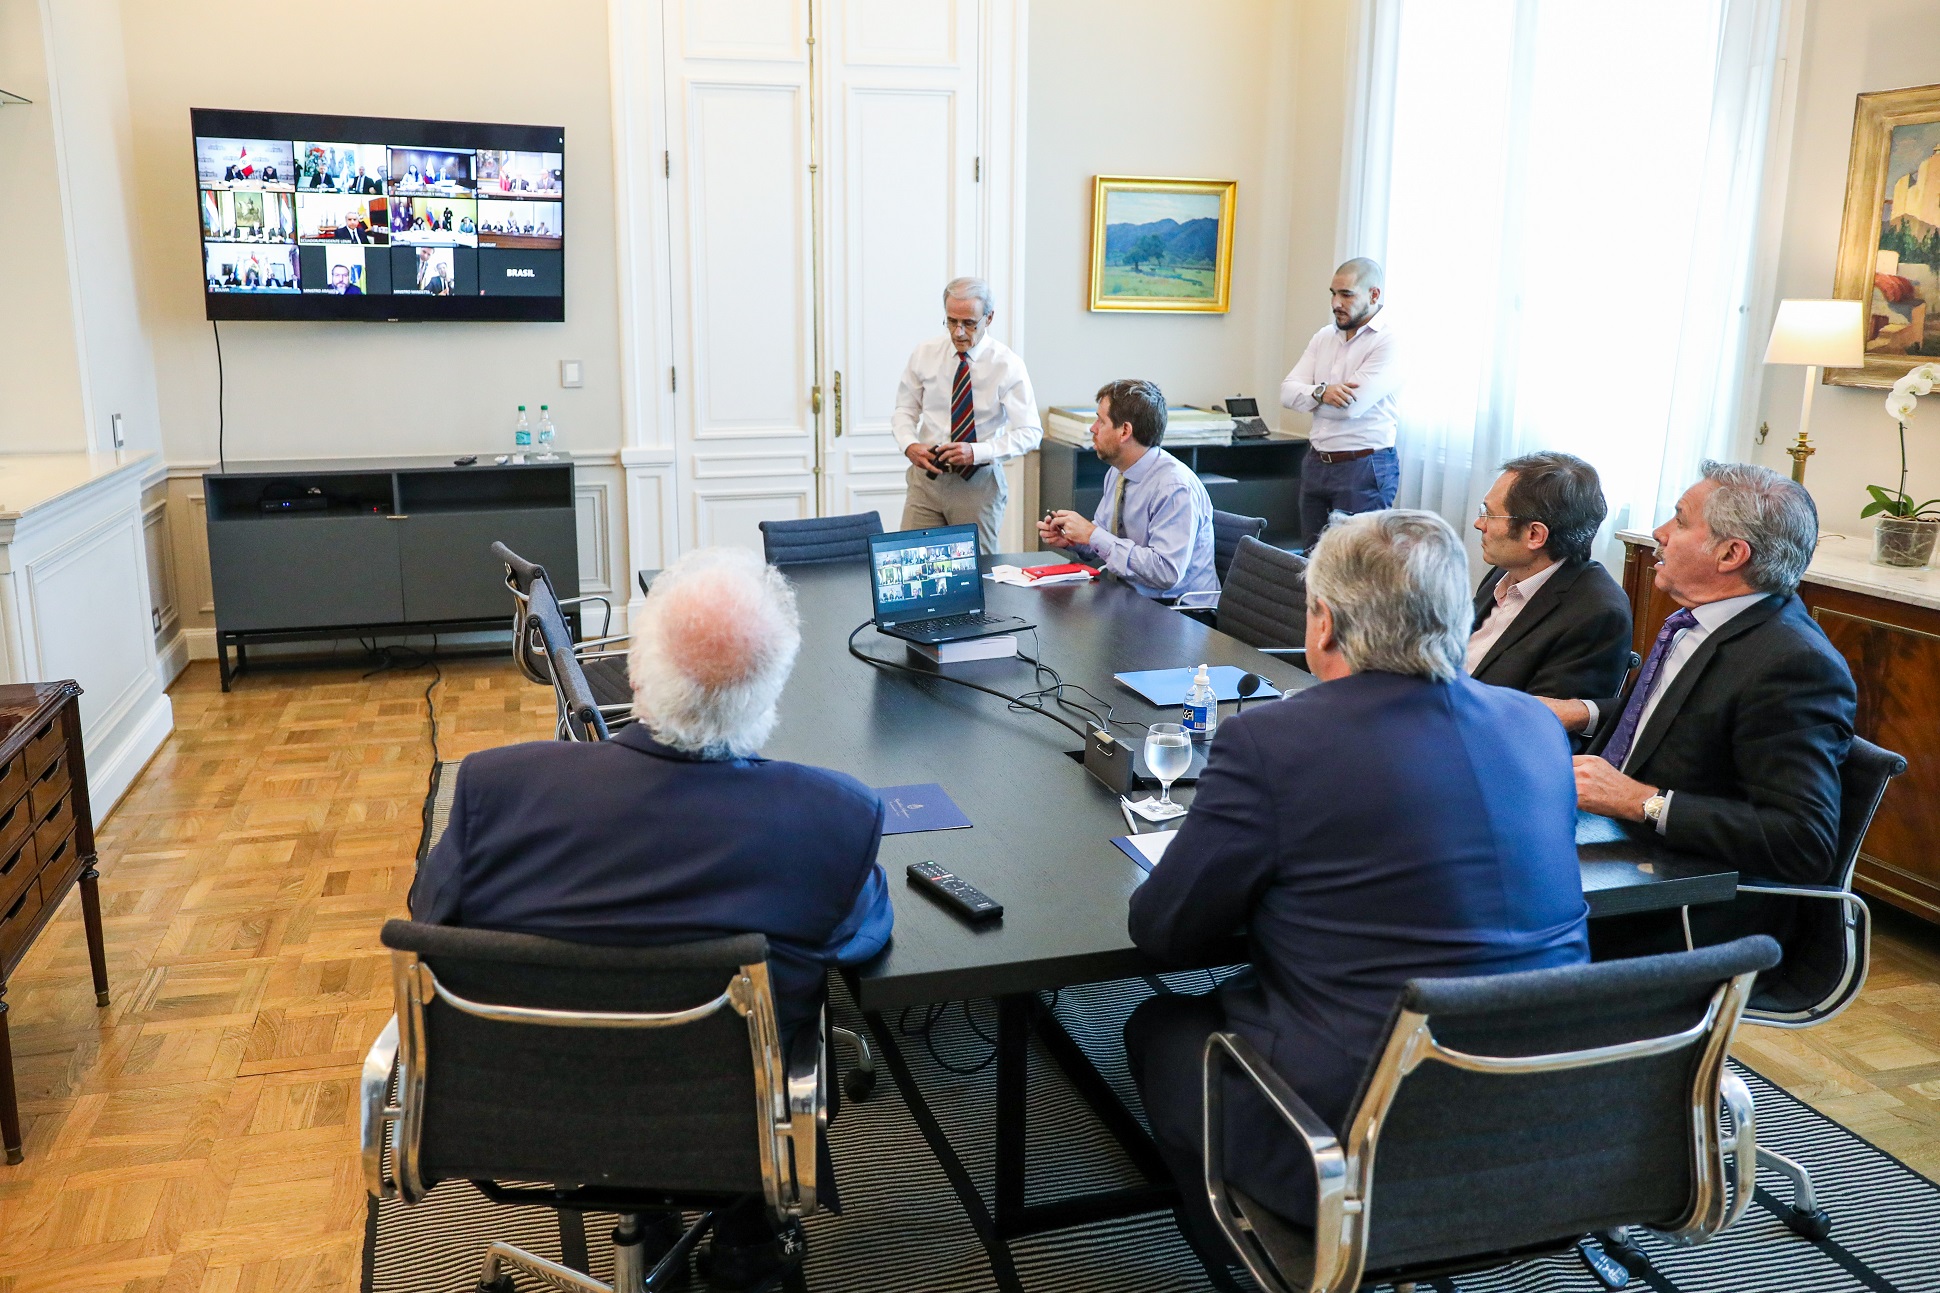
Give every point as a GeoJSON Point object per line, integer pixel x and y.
{"type": "Point", "coordinates": [1160, 244]}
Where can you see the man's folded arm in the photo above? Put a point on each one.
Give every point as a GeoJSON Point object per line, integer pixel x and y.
{"type": "Point", "coordinates": [1199, 894]}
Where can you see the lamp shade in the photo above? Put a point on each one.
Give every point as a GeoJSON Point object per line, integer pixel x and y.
{"type": "Point", "coordinates": [1827, 333]}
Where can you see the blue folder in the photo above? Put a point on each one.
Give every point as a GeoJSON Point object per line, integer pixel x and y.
{"type": "Point", "coordinates": [907, 809]}
{"type": "Point", "coordinates": [1168, 687]}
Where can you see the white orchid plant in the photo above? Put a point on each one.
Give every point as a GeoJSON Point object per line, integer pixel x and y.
{"type": "Point", "coordinates": [1901, 402]}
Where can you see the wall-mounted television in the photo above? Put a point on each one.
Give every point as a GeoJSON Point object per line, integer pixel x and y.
{"type": "Point", "coordinates": [380, 218]}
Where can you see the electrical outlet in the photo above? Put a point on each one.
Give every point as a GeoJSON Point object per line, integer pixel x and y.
{"type": "Point", "coordinates": [114, 424]}
{"type": "Point", "coordinates": [572, 373]}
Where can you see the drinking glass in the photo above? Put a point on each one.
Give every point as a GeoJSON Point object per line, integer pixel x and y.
{"type": "Point", "coordinates": [1168, 753]}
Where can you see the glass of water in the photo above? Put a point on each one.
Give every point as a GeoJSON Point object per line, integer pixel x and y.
{"type": "Point", "coordinates": [1168, 753]}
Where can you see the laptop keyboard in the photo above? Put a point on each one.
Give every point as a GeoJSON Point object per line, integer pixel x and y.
{"type": "Point", "coordinates": [971, 618]}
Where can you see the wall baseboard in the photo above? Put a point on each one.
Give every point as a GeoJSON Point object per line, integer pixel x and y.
{"type": "Point", "coordinates": [112, 771]}
{"type": "Point", "coordinates": [174, 655]}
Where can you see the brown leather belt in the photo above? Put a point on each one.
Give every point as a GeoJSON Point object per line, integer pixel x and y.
{"type": "Point", "coordinates": [1347, 456]}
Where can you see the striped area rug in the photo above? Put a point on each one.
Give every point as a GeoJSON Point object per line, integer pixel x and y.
{"type": "Point", "coordinates": [905, 1170]}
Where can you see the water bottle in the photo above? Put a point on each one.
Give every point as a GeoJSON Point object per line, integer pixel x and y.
{"type": "Point", "coordinates": [1201, 718]}
{"type": "Point", "coordinates": [521, 437]}
{"type": "Point", "coordinates": [546, 434]}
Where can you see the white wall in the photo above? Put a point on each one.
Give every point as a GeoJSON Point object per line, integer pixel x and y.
{"type": "Point", "coordinates": [338, 390]}
{"type": "Point", "coordinates": [1144, 87]}
{"type": "Point", "coordinates": [1851, 47]}
{"type": "Point", "coordinates": [40, 368]}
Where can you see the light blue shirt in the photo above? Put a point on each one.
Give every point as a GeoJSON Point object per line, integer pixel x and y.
{"type": "Point", "coordinates": [1164, 542]}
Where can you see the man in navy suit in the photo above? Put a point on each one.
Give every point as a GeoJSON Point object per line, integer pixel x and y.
{"type": "Point", "coordinates": [1729, 741]}
{"type": "Point", "coordinates": [1397, 820]}
{"type": "Point", "coordinates": [676, 829]}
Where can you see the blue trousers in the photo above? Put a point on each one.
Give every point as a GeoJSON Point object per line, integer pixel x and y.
{"type": "Point", "coordinates": [1362, 485]}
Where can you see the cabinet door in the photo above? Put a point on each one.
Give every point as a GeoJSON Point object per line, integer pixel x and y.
{"type": "Point", "coordinates": [449, 572]}
{"type": "Point", "coordinates": [298, 572]}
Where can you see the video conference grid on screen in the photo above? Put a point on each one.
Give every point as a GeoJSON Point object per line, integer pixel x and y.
{"type": "Point", "coordinates": [319, 217]}
{"type": "Point", "coordinates": [925, 572]}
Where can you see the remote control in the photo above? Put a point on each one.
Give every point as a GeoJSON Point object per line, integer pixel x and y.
{"type": "Point", "coordinates": [965, 899]}
{"type": "Point", "coordinates": [466, 461]}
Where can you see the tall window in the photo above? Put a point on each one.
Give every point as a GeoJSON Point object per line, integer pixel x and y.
{"type": "Point", "coordinates": [1566, 196]}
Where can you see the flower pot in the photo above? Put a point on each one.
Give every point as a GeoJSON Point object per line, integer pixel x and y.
{"type": "Point", "coordinates": [1902, 541]}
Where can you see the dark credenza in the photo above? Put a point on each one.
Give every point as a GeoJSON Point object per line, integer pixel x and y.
{"type": "Point", "coordinates": [1250, 477]}
{"type": "Point", "coordinates": [1893, 649]}
{"type": "Point", "coordinates": [46, 845]}
{"type": "Point", "coordinates": [385, 545]}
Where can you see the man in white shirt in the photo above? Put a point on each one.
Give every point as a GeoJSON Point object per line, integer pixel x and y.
{"type": "Point", "coordinates": [1347, 379]}
{"type": "Point", "coordinates": [964, 405]}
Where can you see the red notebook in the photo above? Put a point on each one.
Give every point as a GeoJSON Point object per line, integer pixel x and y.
{"type": "Point", "coordinates": [1068, 568]}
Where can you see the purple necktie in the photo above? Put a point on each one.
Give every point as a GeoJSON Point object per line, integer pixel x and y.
{"type": "Point", "coordinates": [1618, 748]}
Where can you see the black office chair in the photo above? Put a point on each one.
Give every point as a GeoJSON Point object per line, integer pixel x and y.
{"type": "Point", "coordinates": [1263, 600]}
{"type": "Point", "coordinates": [651, 1079]}
{"type": "Point", "coordinates": [1228, 529]}
{"type": "Point", "coordinates": [1827, 949]}
{"type": "Point", "coordinates": [1514, 1114]}
{"type": "Point", "coordinates": [818, 539]}
{"type": "Point", "coordinates": [588, 679]}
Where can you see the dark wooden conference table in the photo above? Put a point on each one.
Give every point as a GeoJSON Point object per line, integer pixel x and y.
{"type": "Point", "coordinates": [1040, 836]}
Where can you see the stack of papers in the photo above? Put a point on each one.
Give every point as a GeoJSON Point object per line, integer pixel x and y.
{"type": "Point", "coordinates": [1016, 578]}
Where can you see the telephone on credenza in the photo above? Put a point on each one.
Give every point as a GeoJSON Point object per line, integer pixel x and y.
{"type": "Point", "coordinates": [1245, 413]}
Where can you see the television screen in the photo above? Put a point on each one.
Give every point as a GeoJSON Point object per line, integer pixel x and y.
{"type": "Point", "coordinates": [314, 217]}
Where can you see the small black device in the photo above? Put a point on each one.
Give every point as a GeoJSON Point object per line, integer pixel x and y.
{"type": "Point", "coordinates": [965, 899]}
{"type": "Point", "coordinates": [312, 499]}
{"type": "Point", "coordinates": [928, 587]}
{"type": "Point", "coordinates": [1245, 413]}
{"type": "Point", "coordinates": [1248, 684]}
{"type": "Point", "coordinates": [466, 461]}
{"type": "Point", "coordinates": [1111, 761]}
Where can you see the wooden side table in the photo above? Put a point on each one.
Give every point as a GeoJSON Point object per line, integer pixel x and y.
{"type": "Point", "coordinates": [46, 846]}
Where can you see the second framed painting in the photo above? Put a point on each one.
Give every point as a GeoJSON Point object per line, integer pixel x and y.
{"type": "Point", "coordinates": [1889, 241]}
{"type": "Point", "coordinates": [1161, 245]}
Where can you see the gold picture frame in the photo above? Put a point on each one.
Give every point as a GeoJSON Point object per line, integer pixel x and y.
{"type": "Point", "coordinates": [1146, 258]}
{"type": "Point", "coordinates": [1895, 164]}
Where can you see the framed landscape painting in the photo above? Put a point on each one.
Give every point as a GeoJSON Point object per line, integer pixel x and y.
{"type": "Point", "coordinates": [1161, 245]}
{"type": "Point", "coordinates": [1889, 241]}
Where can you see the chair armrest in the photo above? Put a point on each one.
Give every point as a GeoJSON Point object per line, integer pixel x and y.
{"type": "Point", "coordinates": [1859, 926]}
{"type": "Point", "coordinates": [1183, 601]}
{"type": "Point", "coordinates": [376, 1112]}
{"type": "Point", "coordinates": [1340, 1248]}
{"type": "Point", "coordinates": [1741, 1151]}
{"type": "Point", "coordinates": [807, 1111]}
{"type": "Point", "coordinates": [605, 624]}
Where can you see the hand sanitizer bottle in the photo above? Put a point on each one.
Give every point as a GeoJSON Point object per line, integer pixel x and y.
{"type": "Point", "coordinates": [522, 437]}
{"type": "Point", "coordinates": [1201, 717]}
{"type": "Point", "coordinates": [546, 434]}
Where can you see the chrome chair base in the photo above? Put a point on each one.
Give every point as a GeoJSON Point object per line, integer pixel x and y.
{"type": "Point", "coordinates": [1805, 1217]}
{"type": "Point", "coordinates": [859, 1081]}
{"type": "Point", "coordinates": [629, 1266]}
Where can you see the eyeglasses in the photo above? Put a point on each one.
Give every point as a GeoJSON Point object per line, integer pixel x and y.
{"type": "Point", "coordinates": [962, 325]}
{"type": "Point", "coordinates": [1482, 513]}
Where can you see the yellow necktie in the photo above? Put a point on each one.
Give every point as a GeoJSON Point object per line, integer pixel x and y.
{"type": "Point", "coordinates": [1118, 508]}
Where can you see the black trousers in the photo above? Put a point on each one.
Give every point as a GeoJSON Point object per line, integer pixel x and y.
{"type": "Point", "coordinates": [1165, 1042]}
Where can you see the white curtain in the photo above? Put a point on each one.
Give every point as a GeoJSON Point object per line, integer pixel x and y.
{"type": "Point", "coordinates": [1566, 197]}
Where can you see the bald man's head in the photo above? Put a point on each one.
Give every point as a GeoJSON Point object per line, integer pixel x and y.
{"type": "Point", "coordinates": [712, 650]}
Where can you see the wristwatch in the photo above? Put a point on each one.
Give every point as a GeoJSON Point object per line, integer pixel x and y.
{"type": "Point", "coordinates": [1654, 809]}
{"type": "Point", "coordinates": [1320, 389]}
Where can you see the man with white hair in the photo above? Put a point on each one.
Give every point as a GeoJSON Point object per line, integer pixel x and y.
{"type": "Point", "coordinates": [1347, 378]}
{"type": "Point", "coordinates": [1396, 820]}
{"type": "Point", "coordinates": [1729, 741]}
{"type": "Point", "coordinates": [676, 829]}
{"type": "Point", "coordinates": [963, 407]}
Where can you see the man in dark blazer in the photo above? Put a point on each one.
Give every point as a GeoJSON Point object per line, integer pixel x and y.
{"type": "Point", "coordinates": [1548, 620]}
{"type": "Point", "coordinates": [1396, 820]}
{"type": "Point", "coordinates": [1729, 742]}
{"type": "Point", "coordinates": [677, 830]}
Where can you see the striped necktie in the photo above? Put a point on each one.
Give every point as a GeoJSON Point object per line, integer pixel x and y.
{"type": "Point", "coordinates": [963, 410]}
{"type": "Point", "coordinates": [1117, 525]}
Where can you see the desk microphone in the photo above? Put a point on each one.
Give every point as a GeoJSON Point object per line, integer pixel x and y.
{"type": "Point", "coordinates": [1248, 684]}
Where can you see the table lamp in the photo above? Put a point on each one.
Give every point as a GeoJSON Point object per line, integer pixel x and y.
{"type": "Point", "coordinates": [1818, 334]}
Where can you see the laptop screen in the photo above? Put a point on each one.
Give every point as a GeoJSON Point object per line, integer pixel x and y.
{"type": "Point", "coordinates": [925, 574]}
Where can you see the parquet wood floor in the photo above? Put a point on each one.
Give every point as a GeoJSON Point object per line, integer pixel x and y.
{"type": "Point", "coordinates": [199, 1135]}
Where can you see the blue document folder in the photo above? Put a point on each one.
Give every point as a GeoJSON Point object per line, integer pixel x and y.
{"type": "Point", "coordinates": [1146, 849]}
{"type": "Point", "coordinates": [1168, 687]}
{"type": "Point", "coordinates": [919, 808]}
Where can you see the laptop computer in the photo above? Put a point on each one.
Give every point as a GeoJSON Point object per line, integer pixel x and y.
{"type": "Point", "coordinates": [927, 587]}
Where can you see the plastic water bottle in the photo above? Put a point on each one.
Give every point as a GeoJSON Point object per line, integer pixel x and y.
{"type": "Point", "coordinates": [521, 437]}
{"type": "Point", "coordinates": [1201, 717]}
{"type": "Point", "coordinates": [546, 434]}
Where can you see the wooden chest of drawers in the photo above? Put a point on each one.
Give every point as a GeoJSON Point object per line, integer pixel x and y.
{"type": "Point", "coordinates": [46, 845]}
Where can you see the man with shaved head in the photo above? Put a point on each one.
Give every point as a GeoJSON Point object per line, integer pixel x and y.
{"type": "Point", "coordinates": [1347, 378]}
{"type": "Point", "coordinates": [677, 829]}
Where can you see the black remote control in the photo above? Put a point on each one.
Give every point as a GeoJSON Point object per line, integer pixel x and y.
{"type": "Point", "coordinates": [965, 899]}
